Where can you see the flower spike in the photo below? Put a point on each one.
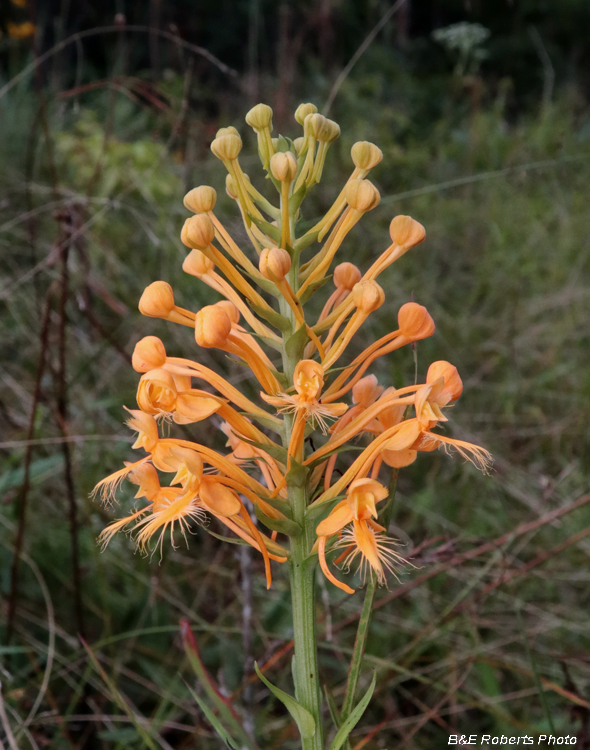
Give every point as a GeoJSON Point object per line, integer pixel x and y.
{"type": "Point", "coordinates": [319, 403]}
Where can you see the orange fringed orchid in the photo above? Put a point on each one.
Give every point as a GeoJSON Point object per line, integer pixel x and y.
{"type": "Point", "coordinates": [308, 381]}
{"type": "Point", "coordinates": [353, 519]}
{"type": "Point", "coordinates": [251, 457]}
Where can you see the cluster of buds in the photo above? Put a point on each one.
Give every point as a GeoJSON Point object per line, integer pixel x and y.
{"type": "Point", "coordinates": [270, 469]}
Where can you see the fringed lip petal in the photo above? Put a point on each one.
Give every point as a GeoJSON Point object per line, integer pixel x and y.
{"type": "Point", "coordinates": [107, 534]}
{"type": "Point", "coordinates": [107, 487]}
{"type": "Point", "coordinates": [365, 542]}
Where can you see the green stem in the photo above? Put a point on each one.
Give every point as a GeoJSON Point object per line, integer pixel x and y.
{"type": "Point", "coordinates": [358, 652]}
{"type": "Point", "coordinates": [305, 663]}
{"type": "Point", "coordinates": [365, 618]}
{"type": "Point", "coordinates": [302, 578]}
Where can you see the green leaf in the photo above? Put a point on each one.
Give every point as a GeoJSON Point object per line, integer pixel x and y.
{"type": "Point", "coordinates": [214, 721]}
{"type": "Point", "coordinates": [275, 451]}
{"type": "Point", "coordinates": [295, 344]}
{"type": "Point", "coordinates": [297, 474]}
{"type": "Point", "coordinates": [313, 511]}
{"type": "Point", "coordinates": [332, 707]}
{"type": "Point", "coordinates": [353, 719]}
{"type": "Point", "coordinates": [221, 704]}
{"type": "Point", "coordinates": [118, 698]}
{"type": "Point", "coordinates": [340, 449]}
{"type": "Point", "coordinates": [283, 525]}
{"type": "Point", "coordinates": [274, 318]}
{"type": "Point", "coordinates": [295, 201]}
{"type": "Point", "coordinates": [286, 144]}
{"type": "Point", "coordinates": [282, 378]}
{"type": "Point", "coordinates": [312, 289]}
{"type": "Point", "coordinates": [268, 341]}
{"type": "Point", "coordinates": [304, 720]}
{"type": "Point", "coordinates": [270, 421]}
{"type": "Point", "coordinates": [269, 229]}
{"type": "Point", "coordinates": [305, 241]}
{"type": "Point", "coordinates": [281, 505]}
{"type": "Point", "coordinates": [228, 539]}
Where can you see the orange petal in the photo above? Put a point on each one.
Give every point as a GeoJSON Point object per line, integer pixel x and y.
{"type": "Point", "coordinates": [219, 499]}
{"type": "Point", "coordinates": [326, 570]}
{"type": "Point", "coordinates": [337, 520]}
{"type": "Point", "coordinates": [258, 537]}
{"type": "Point", "coordinates": [195, 408]}
{"type": "Point", "coordinates": [366, 543]}
{"type": "Point", "coordinates": [407, 434]}
{"type": "Point", "coordinates": [335, 410]}
{"type": "Point", "coordinates": [399, 459]}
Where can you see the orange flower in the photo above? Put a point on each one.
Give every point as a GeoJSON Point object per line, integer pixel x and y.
{"type": "Point", "coordinates": [353, 519]}
{"type": "Point", "coordinates": [146, 477]}
{"type": "Point", "coordinates": [308, 380]}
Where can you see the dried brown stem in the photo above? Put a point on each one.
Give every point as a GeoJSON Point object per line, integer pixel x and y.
{"type": "Point", "coordinates": [24, 490]}
{"type": "Point", "coordinates": [65, 219]}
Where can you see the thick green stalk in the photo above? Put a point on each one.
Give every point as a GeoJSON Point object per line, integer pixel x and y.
{"type": "Point", "coordinates": [302, 573]}
{"type": "Point", "coordinates": [305, 663]}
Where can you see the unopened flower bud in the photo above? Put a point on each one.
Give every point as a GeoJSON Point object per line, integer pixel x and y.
{"type": "Point", "coordinates": [283, 166]}
{"type": "Point", "coordinates": [231, 187]}
{"type": "Point", "coordinates": [200, 231]}
{"type": "Point", "coordinates": [317, 126]}
{"type": "Point", "coordinates": [275, 144]}
{"type": "Point", "coordinates": [368, 296]}
{"type": "Point", "coordinates": [366, 155]}
{"type": "Point", "coordinates": [330, 132]}
{"type": "Point", "coordinates": [149, 354]}
{"type": "Point", "coordinates": [201, 199]}
{"type": "Point", "coordinates": [346, 275]}
{"type": "Point", "coordinates": [231, 310]}
{"type": "Point", "coordinates": [406, 232]}
{"type": "Point", "coordinates": [453, 385]}
{"type": "Point", "coordinates": [275, 263]}
{"type": "Point", "coordinates": [362, 195]}
{"type": "Point", "coordinates": [157, 300]}
{"type": "Point", "coordinates": [303, 110]}
{"type": "Point", "coordinates": [298, 143]}
{"type": "Point", "coordinates": [415, 322]}
{"type": "Point", "coordinates": [156, 392]}
{"type": "Point", "coordinates": [227, 147]}
{"type": "Point", "coordinates": [212, 327]}
{"type": "Point", "coordinates": [260, 117]}
{"type": "Point", "coordinates": [197, 264]}
{"type": "Point", "coordinates": [230, 130]}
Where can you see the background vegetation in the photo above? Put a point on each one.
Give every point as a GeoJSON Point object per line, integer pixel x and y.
{"type": "Point", "coordinates": [105, 125]}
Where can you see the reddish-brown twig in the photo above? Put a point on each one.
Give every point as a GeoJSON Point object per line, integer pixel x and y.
{"type": "Point", "coordinates": [24, 490]}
